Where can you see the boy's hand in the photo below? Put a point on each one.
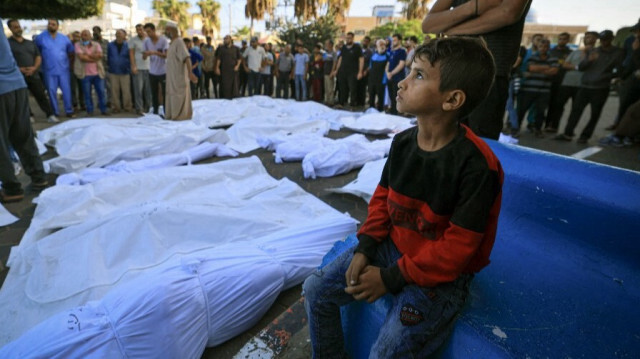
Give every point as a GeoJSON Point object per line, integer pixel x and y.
{"type": "Point", "coordinates": [358, 262]}
{"type": "Point", "coordinates": [370, 286]}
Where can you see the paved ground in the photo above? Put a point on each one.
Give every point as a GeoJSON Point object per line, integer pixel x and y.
{"type": "Point", "coordinates": [298, 346]}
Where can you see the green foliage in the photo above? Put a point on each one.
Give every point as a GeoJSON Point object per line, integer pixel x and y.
{"type": "Point", "coordinates": [45, 9]}
{"type": "Point", "coordinates": [210, 11]}
{"type": "Point", "coordinates": [405, 28]}
{"type": "Point", "coordinates": [175, 10]}
{"type": "Point", "coordinates": [242, 33]}
{"type": "Point", "coordinates": [310, 32]}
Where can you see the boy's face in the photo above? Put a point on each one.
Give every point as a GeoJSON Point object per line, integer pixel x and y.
{"type": "Point", "coordinates": [419, 93]}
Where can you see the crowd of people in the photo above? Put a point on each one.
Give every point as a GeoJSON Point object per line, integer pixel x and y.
{"type": "Point", "coordinates": [544, 78]}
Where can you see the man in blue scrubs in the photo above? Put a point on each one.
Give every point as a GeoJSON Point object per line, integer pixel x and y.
{"type": "Point", "coordinates": [57, 54]}
{"type": "Point", "coordinates": [15, 129]}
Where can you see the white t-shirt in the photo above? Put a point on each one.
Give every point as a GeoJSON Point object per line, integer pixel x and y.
{"type": "Point", "coordinates": [137, 45]}
{"type": "Point", "coordinates": [254, 58]}
{"type": "Point", "coordinates": [266, 70]}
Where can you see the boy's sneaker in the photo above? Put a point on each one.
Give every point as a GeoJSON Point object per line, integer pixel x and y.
{"type": "Point", "coordinates": [52, 119]}
{"type": "Point", "coordinates": [39, 185]}
{"type": "Point", "coordinates": [10, 198]}
{"type": "Point", "coordinates": [611, 140]}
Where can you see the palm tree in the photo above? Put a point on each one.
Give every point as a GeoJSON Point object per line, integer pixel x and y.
{"type": "Point", "coordinates": [176, 10]}
{"type": "Point", "coordinates": [414, 9]}
{"type": "Point", "coordinates": [210, 11]}
{"type": "Point", "coordinates": [256, 9]}
{"type": "Point", "coordinates": [308, 9]}
{"type": "Point", "coordinates": [242, 33]}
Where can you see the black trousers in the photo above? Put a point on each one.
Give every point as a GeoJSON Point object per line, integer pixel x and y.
{"type": "Point", "coordinates": [376, 90]}
{"type": "Point", "coordinates": [486, 119]}
{"type": "Point", "coordinates": [540, 101]}
{"type": "Point", "coordinates": [157, 82]}
{"type": "Point", "coordinates": [393, 92]}
{"type": "Point", "coordinates": [629, 93]}
{"type": "Point", "coordinates": [282, 86]}
{"type": "Point", "coordinates": [36, 87]}
{"type": "Point", "coordinates": [556, 106]}
{"type": "Point", "coordinates": [362, 90]}
{"type": "Point", "coordinates": [210, 76]}
{"type": "Point", "coordinates": [594, 97]}
{"type": "Point", "coordinates": [16, 131]}
{"type": "Point", "coordinates": [348, 87]}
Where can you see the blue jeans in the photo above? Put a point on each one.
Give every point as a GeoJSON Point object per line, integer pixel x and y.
{"type": "Point", "coordinates": [301, 88]}
{"type": "Point", "coordinates": [142, 90]}
{"type": "Point", "coordinates": [98, 84]}
{"type": "Point", "coordinates": [418, 322]}
{"type": "Point", "coordinates": [512, 114]}
{"type": "Point", "coordinates": [254, 83]}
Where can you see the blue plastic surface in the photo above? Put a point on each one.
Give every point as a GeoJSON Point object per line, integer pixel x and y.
{"type": "Point", "coordinates": [565, 269]}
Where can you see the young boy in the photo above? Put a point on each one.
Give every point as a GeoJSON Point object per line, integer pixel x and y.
{"type": "Point", "coordinates": [432, 219]}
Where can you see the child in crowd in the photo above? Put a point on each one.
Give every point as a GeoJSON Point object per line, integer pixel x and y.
{"type": "Point", "coordinates": [432, 219]}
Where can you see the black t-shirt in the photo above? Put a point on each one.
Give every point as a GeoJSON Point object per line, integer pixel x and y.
{"type": "Point", "coordinates": [24, 52]}
{"type": "Point", "coordinates": [504, 42]}
{"type": "Point", "coordinates": [350, 59]}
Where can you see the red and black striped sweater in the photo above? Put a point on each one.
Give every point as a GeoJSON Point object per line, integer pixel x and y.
{"type": "Point", "coordinates": [439, 208]}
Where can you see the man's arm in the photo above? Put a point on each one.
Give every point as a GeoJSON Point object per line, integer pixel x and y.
{"type": "Point", "coordinates": [336, 67]}
{"type": "Point", "coordinates": [360, 67]}
{"type": "Point", "coordinates": [396, 70]}
{"type": "Point", "coordinates": [132, 60]}
{"type": "Point", "coordinates": [491, 17]}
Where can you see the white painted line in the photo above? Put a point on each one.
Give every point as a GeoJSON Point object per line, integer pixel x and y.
{"type": "Point", "coordinates": [590, 151]}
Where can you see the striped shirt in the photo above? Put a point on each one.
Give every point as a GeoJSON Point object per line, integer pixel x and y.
{"type": "Point", "coordinates": [535, 81]}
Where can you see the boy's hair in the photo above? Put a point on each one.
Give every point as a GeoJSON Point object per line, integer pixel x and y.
{"type": "Point", "coordinates": [414, 39]}
{"type": "Point", "coordinates": [398, 36]}
{"type": "Point", "coordinates": [150, 26]}
{"type": "Point", "coordinates": [566, 34]}
{"type": "Point", "coordinates": [11, 21]}
{"type": "Point", "coordinates": [465, 64]}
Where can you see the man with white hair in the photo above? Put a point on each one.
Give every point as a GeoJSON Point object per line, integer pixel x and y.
{"type": "Point", "coordinates": [179, 73]}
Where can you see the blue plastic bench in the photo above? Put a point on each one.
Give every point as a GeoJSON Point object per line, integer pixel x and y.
{"type": "Point", "coordinates": [565, 269]}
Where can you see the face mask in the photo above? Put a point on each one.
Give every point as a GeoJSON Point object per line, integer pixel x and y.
{"type": "Point", "coordinates": [85, 43]}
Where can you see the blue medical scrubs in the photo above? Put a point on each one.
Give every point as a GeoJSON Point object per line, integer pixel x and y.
{"type": "Point", "coordinates": [55, 67]}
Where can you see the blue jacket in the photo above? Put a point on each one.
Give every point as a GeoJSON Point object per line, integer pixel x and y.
{"type": "Point", "coordinates": [118, 61]}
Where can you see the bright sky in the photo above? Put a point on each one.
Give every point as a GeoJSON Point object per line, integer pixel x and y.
{"type": "Point", "coordinates": [598, 14]}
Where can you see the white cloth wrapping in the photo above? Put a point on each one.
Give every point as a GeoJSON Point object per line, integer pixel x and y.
{"type": "Point", "coordinates": [98, 143]}
{"type": "Point", "coordinates": [377, 123]}
{"type": "Point", "coordinates": [290, 148]}
{"type": "Point", "coordinates": [367, 181]}
{"type": "Point", "coordinates": [6, 218]}
{"type": "Point", "coordinates": [195, 154]}
{"type": "Point", "coordinates": [343, 155]}
{"type": "Point", "coordinates": [244, 134]}
{"type": "Point", "coordinates": [86, 240]}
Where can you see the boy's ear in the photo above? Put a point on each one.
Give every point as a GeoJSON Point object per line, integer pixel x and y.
{"type": "Point", "coordinates": [454, 100]}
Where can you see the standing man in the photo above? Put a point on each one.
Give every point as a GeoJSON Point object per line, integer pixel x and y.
{"type": "Point", "coordinates": [196, 60]}
{"type": "Point", "coordinates": [243, 75]}
{"type": "Point", "coordinates": [155, 49]}
{"type": "Point", "coordinates": [254, 57]}
{"type": "Point", "coordinates": [284, 65]}
{"type": "Point", "coordinates": [15, 129]}
{"type": "Point", "coordinates": [301, 61]}
{"type": "Point", "coordinates": [57, 55]}
{"type": "Point", "coordinates": [119, 69]}
{"type": "Point", "coordinates": [209, 67]}
{"type": "Point", "coordinates": [500, 23]}
{"type": "Point", "coordinates": [76, 83]}
{"type": "Point", "coordinates": [561, 51]}
{"type": "Point", "coordinates": [266, 80]}
{"type": "Point", "coordinates": [571, 82]}
{"type": "Point", "coordinates": [367, 52]}
{"type": "Point", "coordinates": [395, 70]}
{"type": "Point", "coordinates": [330, 58]}
{"type": "Point", "coordinates": [195, 47]}
{"type": "Point", "coordinates": [140, 72]}
{"type": "Point", "coordinates": [350, 67]}
{"type": "Point", "coordinates": [629, 89]}
{"type": "Point", "coordinates": [178, 76]}
{"type": "Point", "coordinates": [228, 62]}
{"type": "Point", "coordinates": [88, 68]}
{"type": "Point", "coordinates": [28, 58]}
{"type": "Point", "coordinates": [541, 68]}
{"type": "Point", "coordinates": [104, 44]}
{"type": "Point", "coordinates": [600, 67]}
